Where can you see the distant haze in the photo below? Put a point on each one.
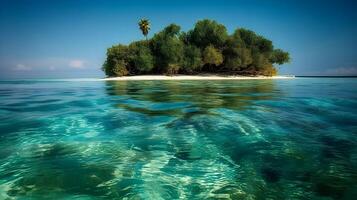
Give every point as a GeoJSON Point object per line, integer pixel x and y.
{"type": "Point", "coordinates": [66, 39]}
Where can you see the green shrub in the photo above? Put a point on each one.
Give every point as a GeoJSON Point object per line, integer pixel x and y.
{"type": "Point", "coordinates": [212, 56]}
{"type": "Point", "coordinates": [167, 48]}
{"type": "Point", "coordinates": [119, 68]}
{"type": "Point", "coordinates": [192, 60]}
{"type": "Point", "coordinates": [142, 60]}
{"type": "Point", "coordinates": [115, 54]}
{"type": "Point", "coordinates": [279, 56]}
{"type": "Point", "coordinates": [172, 69]}
{"type": "Point", "coordinates": [208, 32]}
{"type": "Point", "coordinates": [207, 47]}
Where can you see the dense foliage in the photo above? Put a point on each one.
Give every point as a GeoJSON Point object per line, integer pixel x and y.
{"type": "Point", "coordinates": [206, 48]}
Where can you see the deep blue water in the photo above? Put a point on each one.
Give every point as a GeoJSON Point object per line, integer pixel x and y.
{"type": "Point", "coordinates": [246, 139]}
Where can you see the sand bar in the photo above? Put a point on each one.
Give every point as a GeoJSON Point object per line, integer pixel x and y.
{"type": "Point", "coordinates": [194, 77]}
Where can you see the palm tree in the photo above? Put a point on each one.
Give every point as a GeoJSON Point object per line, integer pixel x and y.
{"type": "Point", "coordinates": [144, 25]}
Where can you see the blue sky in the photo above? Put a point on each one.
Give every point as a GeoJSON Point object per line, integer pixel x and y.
{"type": "Point", "coordinates": [63, 39]}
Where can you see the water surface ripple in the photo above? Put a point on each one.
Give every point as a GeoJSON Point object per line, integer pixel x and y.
{"type": "Point", "coordinates": [246, 139]}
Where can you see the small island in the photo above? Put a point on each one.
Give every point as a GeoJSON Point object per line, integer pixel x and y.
{"type": "Point", "coordinates": [206, 49]}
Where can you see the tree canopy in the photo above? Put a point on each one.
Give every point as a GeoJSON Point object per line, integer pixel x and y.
{"type": "Point", "coordinates": [206, 48]}
{"type": "Point", "coordinates": [144, 25]}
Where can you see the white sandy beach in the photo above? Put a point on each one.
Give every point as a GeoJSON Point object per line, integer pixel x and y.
{"type": "Point", "coordinates": [194, 77]}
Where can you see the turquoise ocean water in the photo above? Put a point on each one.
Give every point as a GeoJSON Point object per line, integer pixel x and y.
{"type": "Point", "coordinates": [241, 139]}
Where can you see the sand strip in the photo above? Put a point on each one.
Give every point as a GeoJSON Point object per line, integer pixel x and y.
{"type": "Point", "coordinates": [193, 77]}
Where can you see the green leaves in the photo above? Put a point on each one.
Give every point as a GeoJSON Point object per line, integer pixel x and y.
{"type": "Point", "coordinates": [208, 32]}
{"type": "Point", "coordinates": [141, 58]}
{"type": "Point", "coordinates": [237, 58]}
{"type": "Point", "coordinates": [280, 57]}
{"type": "Point", "coordinates": [168, 49]}
{"type": "Point", "coordinates": [212, 56]}
{"type": "Point", "coordinates": [192, 59]}
{"type": "Point", "coordinates": [144, 25]}
{"type": "Point", "coordinates": [118, 54]}
{"type": "Point", "coordinates": [205, 48]}
{"type": "Point", "coordinates": [119, 68]}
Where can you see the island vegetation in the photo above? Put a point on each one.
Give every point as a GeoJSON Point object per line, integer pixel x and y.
{"type": "Point", "coordinates": [207, 48]}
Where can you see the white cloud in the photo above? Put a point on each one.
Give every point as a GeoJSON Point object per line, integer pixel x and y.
{"type": "Point", "coordinates": [22, 67]}
{"type": "Point", "coordinates": [78, 64]}
{"type": "Point", "coordinates": [50, 64]}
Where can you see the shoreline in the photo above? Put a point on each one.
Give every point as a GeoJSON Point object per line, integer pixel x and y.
{"type": "Point", "coordinates": [194, 77]}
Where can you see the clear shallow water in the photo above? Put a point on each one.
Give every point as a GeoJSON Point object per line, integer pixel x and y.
{"type": "Point", "coordinates": [258, 139]}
